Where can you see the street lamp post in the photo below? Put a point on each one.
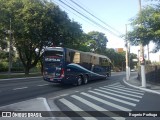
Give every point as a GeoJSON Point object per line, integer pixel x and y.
{"type": "Point", "coordinates": [138, 58]}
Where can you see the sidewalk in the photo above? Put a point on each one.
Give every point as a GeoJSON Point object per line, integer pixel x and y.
{"type": "Point", "coordinates": [150, 87]}
{"type": "Point", "coordinates": [37, 106]}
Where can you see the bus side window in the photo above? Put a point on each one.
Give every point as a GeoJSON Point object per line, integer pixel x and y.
{"type": "Point", "coordinates": [68, 56]}
{"type": "Point", "coordinates": [96, 69]}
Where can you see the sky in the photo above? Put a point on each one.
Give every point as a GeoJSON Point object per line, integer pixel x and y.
{"type": "Point", "coordinates": [115, 13]}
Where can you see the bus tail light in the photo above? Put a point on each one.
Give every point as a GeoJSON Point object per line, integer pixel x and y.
{"type": "Point", "coordinates": [62, 73]}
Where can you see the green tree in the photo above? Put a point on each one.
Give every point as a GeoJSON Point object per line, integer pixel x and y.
{"type": "Point", "coordinates": [3, 41]}
{"type": "Point", "coordinates": [146, 27]}
{"type": "Point", "coordinates": [36, 24]}
{"type": "Point", "coordinates": [118, 59]}
{"type": "Point", "coordinates": [131, 62]}
{"type": "Point", "coordinates": [61, 31]}
{"type": "Point", "coordinates": [97, 42]}
{"type": "Point", "coordinates": [72, 36]}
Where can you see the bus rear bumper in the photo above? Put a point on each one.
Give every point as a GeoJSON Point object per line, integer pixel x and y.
{"type": "Point", "coordinates": [53, 80]}
{"type": "Point", "coordinates": [60, 80]}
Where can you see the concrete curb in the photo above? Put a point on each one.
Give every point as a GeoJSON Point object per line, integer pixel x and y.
{"type": "Point", "coordinates": [145, 89]}
{"type": "Point", "coordinates": [20, 78]}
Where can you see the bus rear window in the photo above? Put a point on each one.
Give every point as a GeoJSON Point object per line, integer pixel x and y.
{"type": "Point", "coordinates": [54, 53]}
{"type": "Point", "coordinates": [53, 56]}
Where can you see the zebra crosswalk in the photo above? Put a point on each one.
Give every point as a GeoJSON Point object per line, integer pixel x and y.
{"type": "Point", "coordinates": [105, 99]}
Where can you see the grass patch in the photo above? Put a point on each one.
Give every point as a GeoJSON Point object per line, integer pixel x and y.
{"type": "Point", "coordinates": [19, 75]}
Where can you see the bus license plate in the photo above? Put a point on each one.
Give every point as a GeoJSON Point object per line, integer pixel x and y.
{"type": "Point", "coordinates": [52, 77]}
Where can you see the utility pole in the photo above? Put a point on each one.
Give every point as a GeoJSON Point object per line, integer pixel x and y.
{"type": "Point", "coordinates": [138, 58]}
{"type": "Point", "coordinates": [143, 76]}
{"type": "Point", "coordinates": [127, 68]}
{"type": "Point", "coordinates": [148, 52]}
{"type": "Point", "coordinates": [10, 48]}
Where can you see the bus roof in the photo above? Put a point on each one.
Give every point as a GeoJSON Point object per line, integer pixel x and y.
{"type": "Point", "coordinates": [103, 56]}
{"type": "Point", "coordinates": [62, 49]}
{"type": "Point", "coordinates": [54, 48]}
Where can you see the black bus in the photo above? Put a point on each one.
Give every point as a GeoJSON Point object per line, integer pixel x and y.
{"type": "Point", "coordinates": [68, 66]}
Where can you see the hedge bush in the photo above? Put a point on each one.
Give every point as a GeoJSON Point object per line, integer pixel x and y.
{"type": "Point", "coordinates": [3, 66]}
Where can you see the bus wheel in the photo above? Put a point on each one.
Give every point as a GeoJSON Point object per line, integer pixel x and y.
{"type": "Point", "coordinates": [108, 75]}
{"type": "Point", "coordinates": [79, 81]}
{"type": "Point", "coordinates": [85, 81]}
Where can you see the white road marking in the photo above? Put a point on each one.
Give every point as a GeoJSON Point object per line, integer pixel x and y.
{"type": "Point", "coordinates": [76, 108]}
{"type": "Point", "coordinates": [120, 86]}
{"type": "Point", "coordinates": [114, 84]}
{"type": "Point", "coordinates": [129, 98]}
{"type": "Point", "coordinates": [43, 85]}
{"type": "Point", "coordinates": [121, 89]}
{"type": "Point", "coordinates": [98, 108]}
{"type": "Point", "coordinates": [20, 88]}
{"type": "Point", "coordinates": [90, 88]}
{"type": "Point", "coordinates": [45, 103]}
{"type": "Point", "coordinates": [106, 102]}
{"type": "Point", "coordinates": [121, 92]}
{"type": "Point", "coordinates": [116, 99]}
{"type": "Point", "coordinates": [60, 96]}
{"type": "Point", "coordinates": [63, 95]}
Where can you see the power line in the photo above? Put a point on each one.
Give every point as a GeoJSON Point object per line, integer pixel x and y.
{"type": "Point", "coordinates": [99, 25]}
{"type": "Point", "coordinates": [73, 13]}
{"type": "Point", "coordinates": [67, 9]}
{"type": "Point", "coordinates": [94, 16]}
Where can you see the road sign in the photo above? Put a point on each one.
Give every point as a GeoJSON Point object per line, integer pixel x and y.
{"type": "Point", "coordinates": [135, 60]}
{"type": "Point", "coordinates": [141, 59]}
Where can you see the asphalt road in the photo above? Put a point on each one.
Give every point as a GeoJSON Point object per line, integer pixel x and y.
{"type": "Point", "coordinates": [122, 102]}
{"type": "Point", "coordinates": [12, 91]}
{"type": "Point", "coordinates": [101, 95]}
{"type": "Point", "coordinates": [17, 90]}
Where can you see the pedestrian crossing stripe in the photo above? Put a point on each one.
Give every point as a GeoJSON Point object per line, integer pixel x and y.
{"type": "Point", "coordinates": [76, 108]}
{"type": "Point", "coordinates": [125, 97]}
{"type": "Point", "coordinates": [122, 86]}
{"type": "Point", "coordinates": [113, 98]}
{"type": "Point", "coordinates": [120, 89]}
{"type": "Point", "coordinates": [121, 92]}
{"type": "Point", "coordinates": [106, 102]}
{"type": "Point", "coordinates": [110, 92]}
{"type": "Point", "coordinates": [130, 89]}
{"type": "Point", "coordinates": [98, 108]}
{"type": "Point", "coordinates": [114, 84]}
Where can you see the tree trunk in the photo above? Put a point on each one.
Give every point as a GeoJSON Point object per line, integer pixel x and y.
{"type": "Point", "coordinates": [26, 70]}
{"type": "Point", "coordinates": [41, 67]}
